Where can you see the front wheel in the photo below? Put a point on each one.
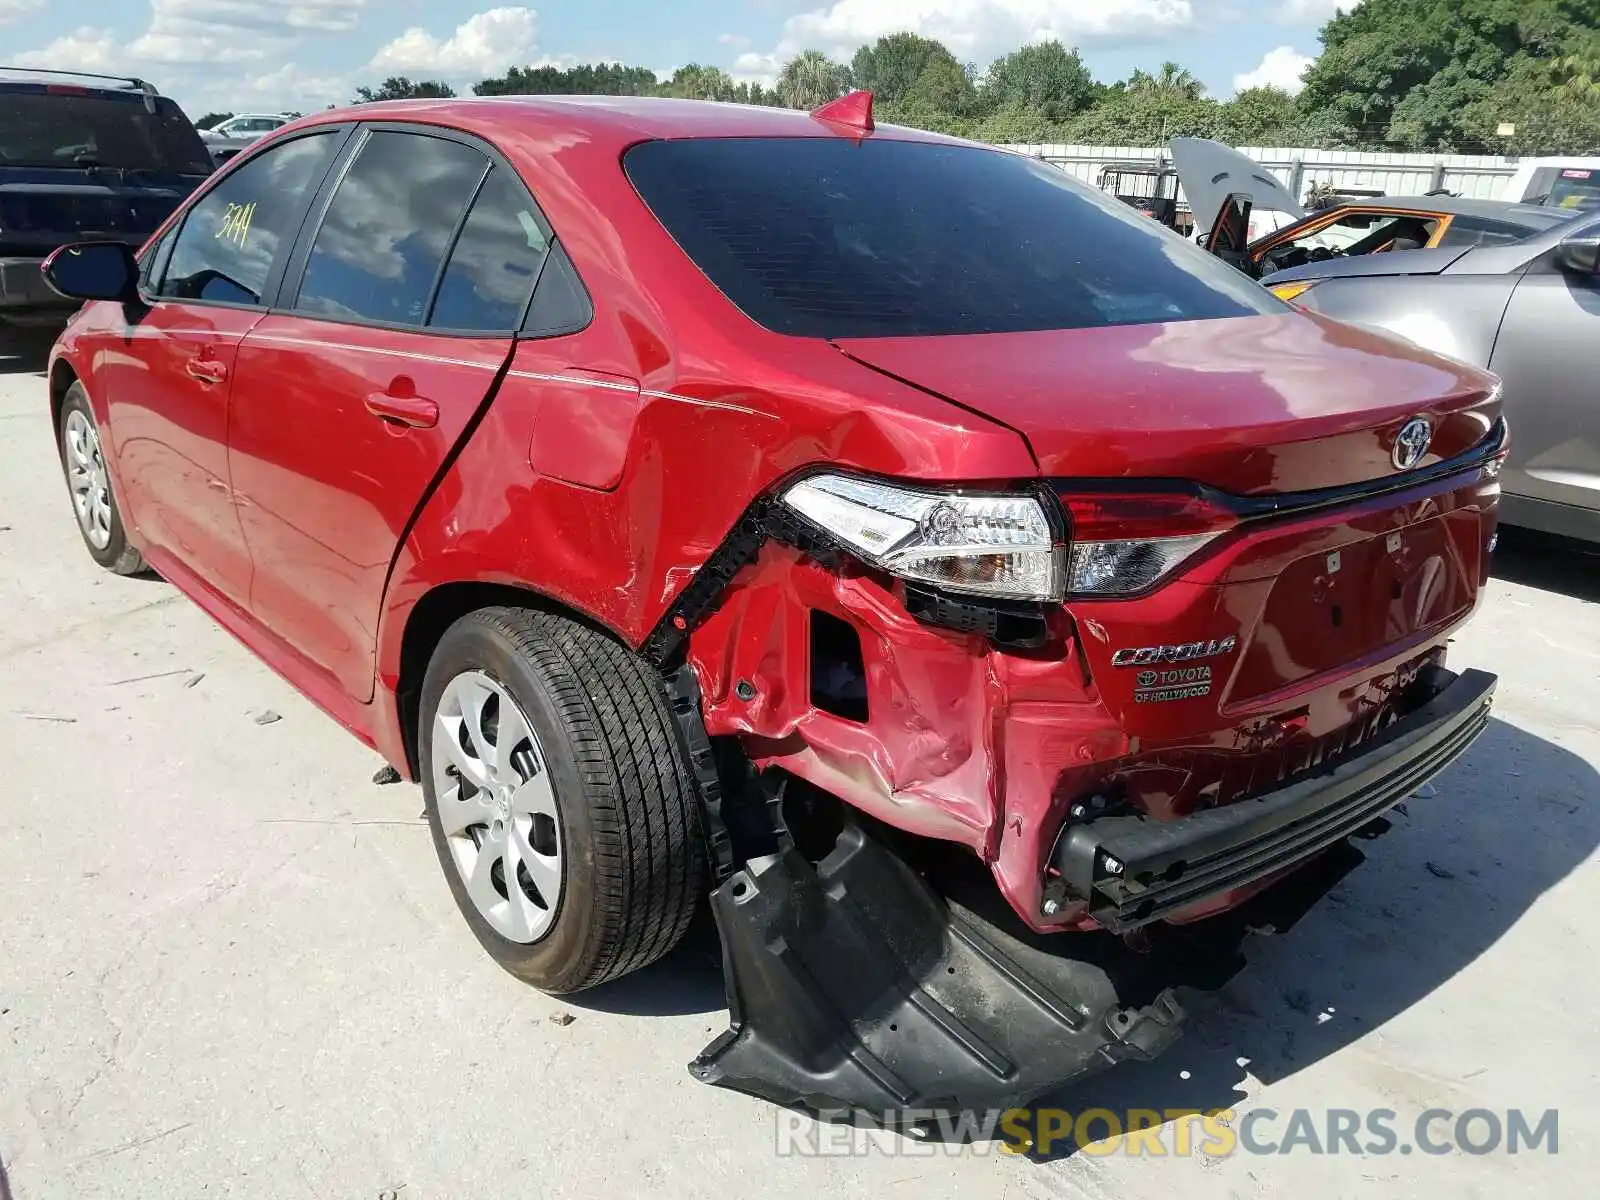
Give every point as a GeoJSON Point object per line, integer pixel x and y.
{"type": "Point", "coordinates": [83, 463]}
{"type": "Point", "coordinates": [561, 807]}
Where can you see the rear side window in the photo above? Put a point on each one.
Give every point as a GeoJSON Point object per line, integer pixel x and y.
{"type": "Point", "coordinates": [495, 262]}
{"type": "Point", "coordinates": [1480, 231]}
{"type": "Point", "coordinates": [829, 237]}
{"type": "Point", "coordinates": [388, 228]}
{"type": "Point", "coordinates": [67, 129]}
{"type": "Point", "coordinates": [233, 236]}
{"type": "Point", "coordinates": [561, 305]}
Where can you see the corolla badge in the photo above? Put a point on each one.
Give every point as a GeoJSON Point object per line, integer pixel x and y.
{"type": "Point", "coordinates": [1144, 656]}
{"type": "Point", "coordinates": [1411, 444]}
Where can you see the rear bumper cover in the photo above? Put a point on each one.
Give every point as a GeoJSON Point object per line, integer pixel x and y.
{"type": "Point", "coordinates": [856, 992]}
{"type": "Point", "coordinates": [1133, 870]}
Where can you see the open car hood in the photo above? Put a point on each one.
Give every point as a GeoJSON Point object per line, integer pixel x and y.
{"type": "Point", "coordinates": [1211, 172]}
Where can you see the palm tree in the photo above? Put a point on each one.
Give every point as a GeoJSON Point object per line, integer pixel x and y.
{"type": "Point", "coordinates": [1174, 83]}
{"type": "Point", "coordinates": [811, 78]}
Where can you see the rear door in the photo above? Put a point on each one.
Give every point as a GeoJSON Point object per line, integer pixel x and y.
{"type": "Point", "coordinates": [399, 314]}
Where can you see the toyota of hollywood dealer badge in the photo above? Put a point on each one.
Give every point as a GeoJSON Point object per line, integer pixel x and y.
{"type": "Point", "coordinates": [1180, 683]}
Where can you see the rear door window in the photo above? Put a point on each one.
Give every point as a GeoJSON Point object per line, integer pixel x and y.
{"type": "Point", "coordinates": [831, 237]}
{"type": "Point", "coordinates": [496, 260]}
{"type": "Point", "coordinates": [388, 228]}
{"type": "Point", "coordinates": [234, 236]}
{"type": "Point", "coordinates": [82, 129]}
{"type": "Point", "coordinates": [1482, 231]}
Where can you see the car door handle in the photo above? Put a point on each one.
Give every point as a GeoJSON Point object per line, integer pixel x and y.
{"type": "Point", "coordinates": [207, 370]}
{"type": "Point", "coordinates": [412, 411]}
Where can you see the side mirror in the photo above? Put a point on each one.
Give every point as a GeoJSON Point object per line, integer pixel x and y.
{"type": "Point", "coordinates": [93, 271]}
{"type": "Point", "coordinates": [1580, 254]}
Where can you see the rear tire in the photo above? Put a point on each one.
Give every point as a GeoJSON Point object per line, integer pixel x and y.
{"type": "Point", "coordinates": [593, 814]}
{"type": "Point", "coordinates": [94, 502]}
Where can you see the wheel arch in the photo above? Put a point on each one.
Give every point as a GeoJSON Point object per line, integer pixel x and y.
{"type": "Point", "coordinates": [440, 607]}
{"type": "Point", "coordinates": [62, 377]}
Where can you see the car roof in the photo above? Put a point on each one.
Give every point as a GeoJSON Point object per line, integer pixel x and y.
{"type": "Point", "coordinates": [1530, 215]}
{"type": "Point", "coordinates": [616, 120]}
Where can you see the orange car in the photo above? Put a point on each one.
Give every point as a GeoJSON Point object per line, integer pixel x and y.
{"type": "Point", "coordinates": [1224, 187]}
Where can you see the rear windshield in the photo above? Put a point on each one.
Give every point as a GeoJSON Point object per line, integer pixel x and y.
{"type": "Point", "coordinates": [828, 237]}
{"type": "Point", "coordinates": [55, 129]}
{"type": "Point", "coordinates": [1577, 189]}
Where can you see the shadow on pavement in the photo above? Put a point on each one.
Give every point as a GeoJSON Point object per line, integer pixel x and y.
{"type": "Point", "coordinates": [1508, 822]}
{"type": "Point", "coordinates": [686, 981]}
{"type": "Point", "coordinates": [1549, 563]}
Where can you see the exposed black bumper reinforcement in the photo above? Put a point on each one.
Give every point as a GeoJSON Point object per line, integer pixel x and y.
{"type": "Point", "coordinates": [854, 988]}
{"type": "Point", "coordinates": [1135, 870]}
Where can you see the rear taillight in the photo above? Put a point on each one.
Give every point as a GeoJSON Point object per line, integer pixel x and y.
{"type": "Point", "coordinates": [1125, 542]}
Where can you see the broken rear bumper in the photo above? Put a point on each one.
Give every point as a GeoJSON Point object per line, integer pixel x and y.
{"type": "Point", "coordinates": [857, 992]}
{"type": "Point", "coordinates": [1133, 870]}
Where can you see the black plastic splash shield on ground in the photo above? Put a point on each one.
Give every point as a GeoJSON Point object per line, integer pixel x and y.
{"type": "Point", "coordinates": [854, 988]}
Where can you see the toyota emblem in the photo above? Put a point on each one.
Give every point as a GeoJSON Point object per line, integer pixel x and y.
{"type": "Point", "coordinates": [1412, 443]}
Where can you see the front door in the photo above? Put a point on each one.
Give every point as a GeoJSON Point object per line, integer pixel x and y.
{"type": "Point", "coordinates": [348, 404]}
{"type": "Point", "coordinates": [1546, 356]}
{"type": "Point", "coordinates": [169, 377]}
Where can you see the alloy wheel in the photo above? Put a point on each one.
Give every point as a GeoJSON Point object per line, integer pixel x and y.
{"type": "Point", "coordinates": [86, 475]}
{"type": "Point", "coordinates": [497, 807]}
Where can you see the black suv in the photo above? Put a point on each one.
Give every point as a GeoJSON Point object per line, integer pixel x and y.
{"type": "Point", "coordinates": [83, 158]}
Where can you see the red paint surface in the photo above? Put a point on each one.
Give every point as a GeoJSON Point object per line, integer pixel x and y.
{"type": "Point", "coordinates": [278, 501]}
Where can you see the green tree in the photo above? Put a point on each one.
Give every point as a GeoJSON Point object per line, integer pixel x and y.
{"type": "Point", "coordinates": [1171, 83]}
{"type": "Point", "coordinates": [1409, 72]}
{"type": "Point", "coordinates": [1146, 119]}
{"type": "Point", "coordinates": [585, 79]}
{"type": "Point", "coordinates": [696, 82]}
{"type": "Point", "coordinates": [1045, 77]}
{"type": "Point", "coordinates": [1551, 105]}
{"type": "Point", "coordinates": [811, 78]}
{"type": "Point", "coordinates": [398, 87]}
{"type": "Point", "coordinates": [212, 119]}
{"type": "Point", "coordinates": [893, 69]}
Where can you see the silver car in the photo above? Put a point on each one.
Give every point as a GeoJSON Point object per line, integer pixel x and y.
{"type": "Point", "coordinates": [1528, 310]}
{"type": "Point", "coordinates": [240, 132]}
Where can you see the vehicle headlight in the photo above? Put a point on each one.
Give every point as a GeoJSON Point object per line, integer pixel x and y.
{"type": "Point", "coordinates": [979, 544]}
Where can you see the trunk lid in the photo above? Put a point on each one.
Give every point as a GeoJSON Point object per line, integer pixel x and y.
{"type": "Point", "coordinates": [1250, 405]}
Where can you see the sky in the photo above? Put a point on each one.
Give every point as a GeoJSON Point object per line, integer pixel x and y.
{"type": "Point", "coordinates": [273, 55]}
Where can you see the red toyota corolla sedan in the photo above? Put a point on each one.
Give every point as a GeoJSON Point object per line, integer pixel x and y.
{"type": "Point", "coordinates": [918, 549]}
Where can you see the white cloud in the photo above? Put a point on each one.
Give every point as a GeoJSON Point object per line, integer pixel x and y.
{"type": "Point", "coordinates": [486, 44]}
{"type": "Point", "coordinates": [1280, 67]}
{"type": "Point", "coordinates": [84, 49]}
{"type": "Point", "coordinates": [737, 40]}
{"type": "Point", "coordinates": [1309, 12]}
{"type": "Point", "coordinates": [11, 10]}
{"type": "Point", "coordinates": [974, 29]}
{"type": "Point", "coordinates": [200, 51]}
